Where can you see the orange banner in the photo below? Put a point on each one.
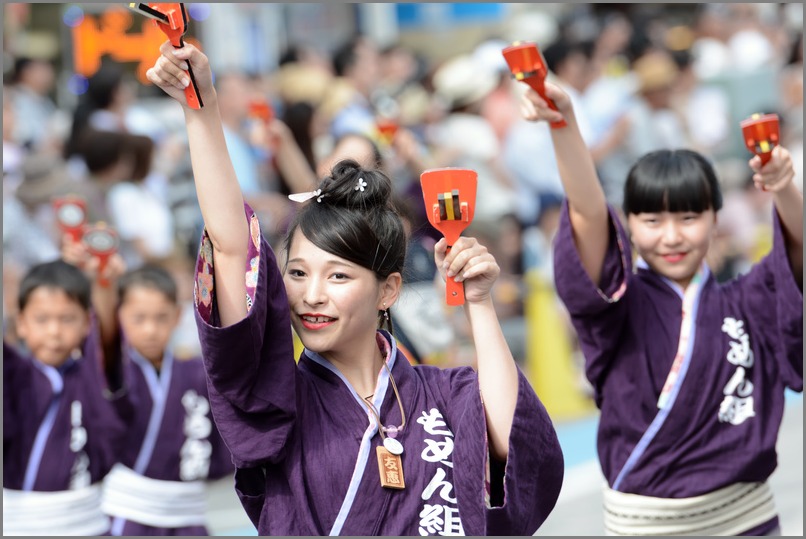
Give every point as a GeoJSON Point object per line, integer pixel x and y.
{"type": "Point", "coordinates": [108, 34]}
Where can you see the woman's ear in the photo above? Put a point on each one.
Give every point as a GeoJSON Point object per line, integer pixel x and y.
{"type": "Point", "coordinates": [390, 290]}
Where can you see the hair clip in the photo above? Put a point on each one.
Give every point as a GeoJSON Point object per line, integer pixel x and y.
{"type": "Point", "coordinates": [361, 185]}
{"type": "Point", "coordinates": [303, 197]}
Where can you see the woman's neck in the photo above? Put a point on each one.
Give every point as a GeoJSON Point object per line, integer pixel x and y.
{"type": "Point", "coordinates": [360, 365]}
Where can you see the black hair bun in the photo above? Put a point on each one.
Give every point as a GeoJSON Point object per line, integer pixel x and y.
{"type": "Point", "coordinates": [351, 186]}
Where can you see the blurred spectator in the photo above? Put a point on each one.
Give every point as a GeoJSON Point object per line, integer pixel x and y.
{"type": "Point", "coordinates": [465, 139]}
{"type": "Point", "coordinates": [356, 146]}
{"type": "Point", "coordinates": [307, 55]}
{"type": "Point", "coordinates": [13, 153]}
{"type": "Point", "coordinates": [653, 123]}
{"type": "Point", "coordinates": [401, 77]}
{"type": "Point", "coordinates": [710, 49]}
{"type": "Point", "coordinates": [357, 66]}
{"type": "Point", "coordinates": [33, 82]}
{"type": "Point", "coordinates": [703, 108]}
{"type": "Point", "coordinates": [528, 150]}
{"type": "Point", "coordinates": [29, 231]}
{"type": "Point", "coordinates": [234, 94]}
{"type": "Point", "coordinates": [142, 219]}
{"type": "Point", "coordinates": [499, 109]}
{"type": "Point", "coordinates": [749, 48]}
{"type": "Point", "coordinates": [103, 106]}
{"type": "Point", "coordinates": [44, 178]}
{"type": "Point", "coordinates": [302, 88]}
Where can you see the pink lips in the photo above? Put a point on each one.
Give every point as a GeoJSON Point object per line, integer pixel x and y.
{"type": "Point", "coordinates": [316, 321]}
{"type": "Point", "coordinates": [674, 258]}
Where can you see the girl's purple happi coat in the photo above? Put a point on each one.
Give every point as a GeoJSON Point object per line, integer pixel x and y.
{"type": "Point", "coordinates": [65, 408]}
{"type": "Point", "coordinates": [304, 445]}
{"type": "Point", "coordinates": [747, 348]}
{"type": "Point", "coordinates": [183, 420]}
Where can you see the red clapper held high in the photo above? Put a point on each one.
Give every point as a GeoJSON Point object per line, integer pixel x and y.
{"type": "Point", "coordinates": [101, 242]}
{"type": "Point", "coordinates": [526, 64]}
{"type": "Point", "coordinates": [450, 200]}
{"type": "Point", "coordinates": [71, 215]}
{"type": "Point", "coordinates": [172, 19]}
{"type": "Point", "coordinates": [761, 134]}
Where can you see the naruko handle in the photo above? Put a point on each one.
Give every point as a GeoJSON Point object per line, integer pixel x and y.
{"type": "Point", "coordinates": [454, 292]}
{"type": "Point", "coordinates": [537, 85]}
{"type": "Point", "coordinates": [102, 261]}
{"type": "Point", "coordinates": [765, 157]}
{"type": "Point", "coordinates": [192, 94]}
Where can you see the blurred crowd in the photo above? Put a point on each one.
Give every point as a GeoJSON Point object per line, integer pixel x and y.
{"type": "Point", "coordinates": [639, 83]}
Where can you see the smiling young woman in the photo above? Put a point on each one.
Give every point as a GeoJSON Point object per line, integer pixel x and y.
{"type": "Point", "coordinates": [689, 374]}
{"type": "Point", "coordinates": [305, 435]}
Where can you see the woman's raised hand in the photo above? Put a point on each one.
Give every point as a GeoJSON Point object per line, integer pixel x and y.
{"type": "Point", "coordinates": [534, 108]}
{"type": "Point", "coordinates": [170, 72]}
{"type": "Point", "coordinates": [468, 262]}
{"type": "Point", "coordinates": [776, 174]}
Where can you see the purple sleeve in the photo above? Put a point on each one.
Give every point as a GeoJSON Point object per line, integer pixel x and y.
{"type": "Point", "coordinates": [532, 475]}
{"type": "Point", "coordinates": [13, 363]}
{"type": "Point", "coordinates": [598, 311]}
{"type": "Point", "coordinates": [250, 365]}
{"type": "Point", "coordinates": [772, 296]}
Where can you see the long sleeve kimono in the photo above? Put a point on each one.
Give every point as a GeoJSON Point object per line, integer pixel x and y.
{"type": "Point", "coordinates": [304, 443]}
{"type": "Point", "coordinates": [720, 423]}
{"type": "Point", "coordinates": [171, 435]}
{"type": "Point", "coordinates": [60, 431]}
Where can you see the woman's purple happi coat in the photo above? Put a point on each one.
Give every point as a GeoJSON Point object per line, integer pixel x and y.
{"type": "Point", "coordinates": [304, 444]}
{"type": "Point", "coordinates": [747, 348]}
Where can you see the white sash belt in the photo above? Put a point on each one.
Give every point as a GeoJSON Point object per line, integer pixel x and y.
{"type": "Point", "coordinates": [65, 512]}
{"type": "Point", "coordinates": [727, 511]}
{"type": "Point", "coordinates": [162, 504]}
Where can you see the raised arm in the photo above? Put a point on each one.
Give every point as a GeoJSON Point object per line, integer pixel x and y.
{"type": "Point", "coordinates": [104, 297]}
{"type": "Point", "coordinates": [217, 188]}
{"type": "Point", "coordinates": [470, 262]}
{"type": "Point", "coordinates": [777, 177]}
{"type": "Point", "coordinates": [586, 200]}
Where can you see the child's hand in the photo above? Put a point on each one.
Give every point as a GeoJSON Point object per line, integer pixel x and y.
{"type": "Point", "coordinates": [776, 174]}
{"type": "Point", "coordinates": [468, 262]}
{"type": "Point", "coordinates": [170, 72]}
{"type": "Point", "coordinates": [115, 267]}
{"type": "Point", "coordinates": [534, 108]}
{"type": "Point", "coordinates": [75, 253]}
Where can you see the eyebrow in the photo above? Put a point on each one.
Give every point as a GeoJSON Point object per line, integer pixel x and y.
{"type": "Point", "coordinates": [330, 262]}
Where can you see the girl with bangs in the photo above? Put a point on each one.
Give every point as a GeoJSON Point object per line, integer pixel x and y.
{"type": "Point", "coordinates": [689, 374]}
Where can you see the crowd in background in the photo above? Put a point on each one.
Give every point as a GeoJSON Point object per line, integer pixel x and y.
{"type": "Point", "coordinates": [638, 84]}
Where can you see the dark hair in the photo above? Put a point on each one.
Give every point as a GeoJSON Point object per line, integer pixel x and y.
{"type": "Point", "coordinates": [671, 180]}
{"type": "Point", "coordinates": [101, 90]}
{"type": "Point", "coordinates": [559, 51]}
{"type": "Point", "coordinates": [57, 274]}
{"type": "Point", "coordinates": [298, 117]}
{"type": "Point", "coordinates": [377, 156]}
{"type": "Point", "coordinates": [103, 149]}
{"type": "Point", "coordinates": [344, 57]}
{"type": "Point", "coordinates": [360, 226]}
{"type": "Point", "coordinates": [143, 150]}
{"type": "Point", "coordinates": [148, 276]}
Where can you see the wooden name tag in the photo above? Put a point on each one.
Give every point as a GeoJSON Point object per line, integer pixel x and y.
{"type": "Point", "coordinates": [391, 469]}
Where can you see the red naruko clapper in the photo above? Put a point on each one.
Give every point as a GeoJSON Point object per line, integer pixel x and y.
{"type": "Point", "coordinates": [527, 65]}
{"type": "Point", "coordinates": [172, 19]}
{"type": "Point", "coordinates": [761, 134]}
{"type": "Point", "coordinates": [450, 201]}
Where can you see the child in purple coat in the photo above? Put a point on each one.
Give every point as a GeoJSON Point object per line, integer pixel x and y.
{"type": "Point", "coordinates": [172, 445]}
{"type": "Point", "coordinates": [689, 374]}
{"type": "Point", "coordinates": [352, 439]}
{"type": "Point", "coordinates": [60, 431]}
